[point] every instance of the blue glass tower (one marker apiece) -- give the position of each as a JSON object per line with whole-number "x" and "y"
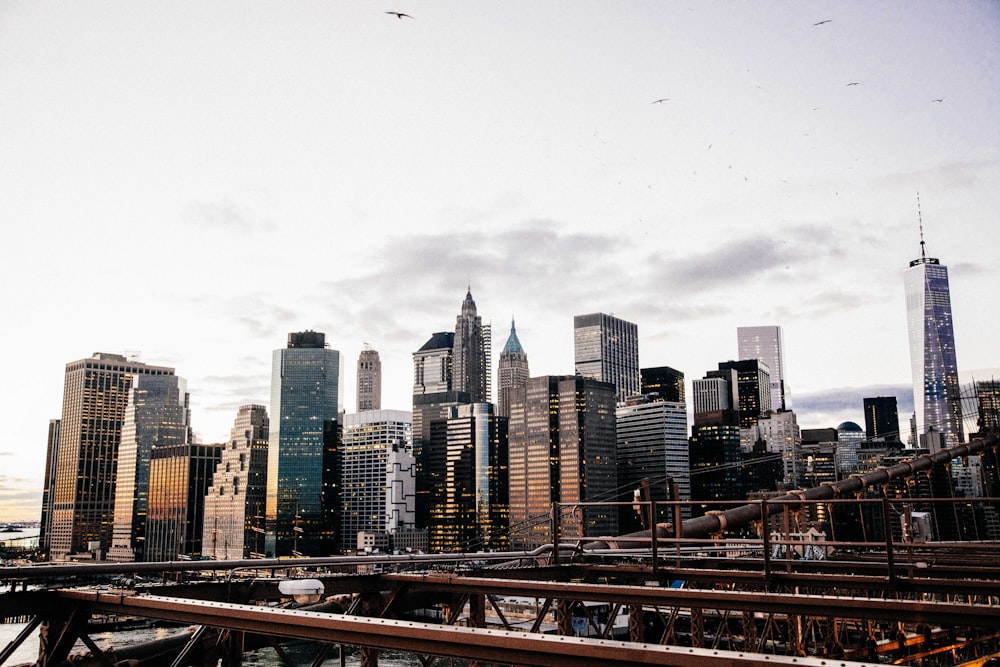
{"x": 302, "y": 486}
{"x": 932, "y": 351}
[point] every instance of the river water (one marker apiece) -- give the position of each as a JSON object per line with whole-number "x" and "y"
{"x": 302, "y": 653}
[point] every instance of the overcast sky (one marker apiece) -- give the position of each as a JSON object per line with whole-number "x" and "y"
{"x": 193, "y": 180}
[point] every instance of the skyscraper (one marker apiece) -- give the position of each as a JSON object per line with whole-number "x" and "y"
{"x": 512, "y": 371}
{"x": 469, "y": 510}
{"x": 179, "y": 477}
{"x": 753, "y": 389}
{"x": 881, "y": 418}
{"x": 606, "y": 348}
{"x": 936, "y": 397}
{"x": 652, "y": 443}
{"x": 369, "y": 380}
{"x": 95, "y": 394}
{"x": 562, "y": 449}
{"x": 157, "y": 415}
{"x": 766, "y": 343}
{"x": 304, "y": 432}
{"x": 48, "y": 485}
{"x": 378, "y": 474}
{"x": 234, "y": 503}
{"x": 663, "y": 383}
{"x": 473, "y": 349}
{"x": 433, "y": 398}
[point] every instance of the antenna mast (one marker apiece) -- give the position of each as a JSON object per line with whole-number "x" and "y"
{"x": 923, "y": 255}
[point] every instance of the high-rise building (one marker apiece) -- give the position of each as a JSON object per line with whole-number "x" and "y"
{"x": 378, "y": 475}
{"x": 473, "y": 348}
{"x": 753, "y": 389}
{"x": 512, "y": 371}
{"x": 988, "y": 405}
{"x": 469, "y": 510}
{"x": 369, "y": 380}
{"x": 301, "y": 504}
{"x": 433, "y": 398}
{"x": 652, "y": 444}
{"x": 881, "y": 418}
{"x": 606, "y": 348}
{"x": 158, "y": 415}
{"x": 718, "y": 391}
{"x": 766, "y": 344}
{"x": 48, "y": 485}
{"x": 95, "y": 394}
{"x": 715, "y": 456}
{"x": 662, "y": 383}
{"x": 234, "y": 503}
{"x": 936, "y": 396}
{"x": 562, "y": 449}
{"x": 780, "y": 433}
{"x": 179, "y": 477}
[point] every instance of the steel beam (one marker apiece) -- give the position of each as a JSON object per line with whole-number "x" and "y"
{"x": 499, "y": 646}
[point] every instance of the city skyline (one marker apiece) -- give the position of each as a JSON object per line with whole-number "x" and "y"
{"x": 193, "y": 186}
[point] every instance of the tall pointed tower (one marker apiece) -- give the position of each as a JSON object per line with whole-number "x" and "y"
{"x": 932, "y": 350}
{"x": 473, "y": 348}
{"x": 512, "y": 371}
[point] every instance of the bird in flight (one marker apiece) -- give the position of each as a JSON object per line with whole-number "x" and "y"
{"x": 661, "y": 100}
{"x": 939, "y": 100}
{"x": 400, "y": 15}
{"x": 854, "y": 83}
{"x": 823, "y": 21}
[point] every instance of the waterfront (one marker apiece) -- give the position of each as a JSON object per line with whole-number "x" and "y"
{"x": 302, "y": 653}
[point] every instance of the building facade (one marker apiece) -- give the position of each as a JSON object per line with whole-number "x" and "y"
{"x": 179, "y": 477}
{"x": 158, "y": 415}
{"x": 606, "y": 348}
{"x": 235, "y": 501}
{"x": 562, "y": 450}
{"x": 378, "y": 475}
{"x": 301, "y": 502}
{"x": 512, "y": 371}
{"x": 369, "y": 380}
{"x": 652, "y": 448}
{"x": 767, "y": 344}
{"x": 95, "y": 394}
{"x": 473, "y": 349}
{"x": 881, "y": 418}
{"x": 936, "y": 396}
{"x": 470, "y": 508}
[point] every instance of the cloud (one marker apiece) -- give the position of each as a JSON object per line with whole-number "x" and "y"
{"x": 830, "y": 407}
{"x": 224, "y": 216}
{"x": 731, "y": 263}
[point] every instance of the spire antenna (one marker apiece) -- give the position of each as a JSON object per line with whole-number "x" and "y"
{"x": 920, "y": 219}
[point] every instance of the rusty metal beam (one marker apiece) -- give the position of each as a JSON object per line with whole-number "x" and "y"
{"x": 811, "y": 605}
{"x": 501, "y": 646}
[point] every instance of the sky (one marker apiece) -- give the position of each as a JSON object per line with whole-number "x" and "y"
{"x": 190, "y": 181}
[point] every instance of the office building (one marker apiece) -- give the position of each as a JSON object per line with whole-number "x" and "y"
{"x": 48, "y": 485}
{"x": 378, "y": 476}
{"x": 469, "y": 508}
{"x": 512, "y": 371}
{"x": 766, "y": 344}
{"x": 715, "y": 456}
{"x": 158, "y": 415}
{"x": 780, "y": 433}
{"x": 473, "y": 349}
{"x": 369, "y": 380}
{"x": 606, "y": 348}
{"x": 933, "y": 361}
{"x": 433, "y": 399}
{"x": 301, "y": 503}
{"x": 652, "y": 449}
{"x": 716, "y": 392}
{"x": 562, "y": 449}
{"x": 95, "y": 394}
{"x": 234, "y": 503}
{"x": 179, "y": 477}
{"x": 753, "y": 391}
{"x": 662, "y": 383}
{"x": 881, "y": 418}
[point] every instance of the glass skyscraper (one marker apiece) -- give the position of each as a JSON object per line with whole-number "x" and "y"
{"x": 766, "y": 343}
{"x": 473, "y": 349}
{"x": 302, "y": 483}
{"x": 606, "y": 348}
{"x": 936, "y": 397}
